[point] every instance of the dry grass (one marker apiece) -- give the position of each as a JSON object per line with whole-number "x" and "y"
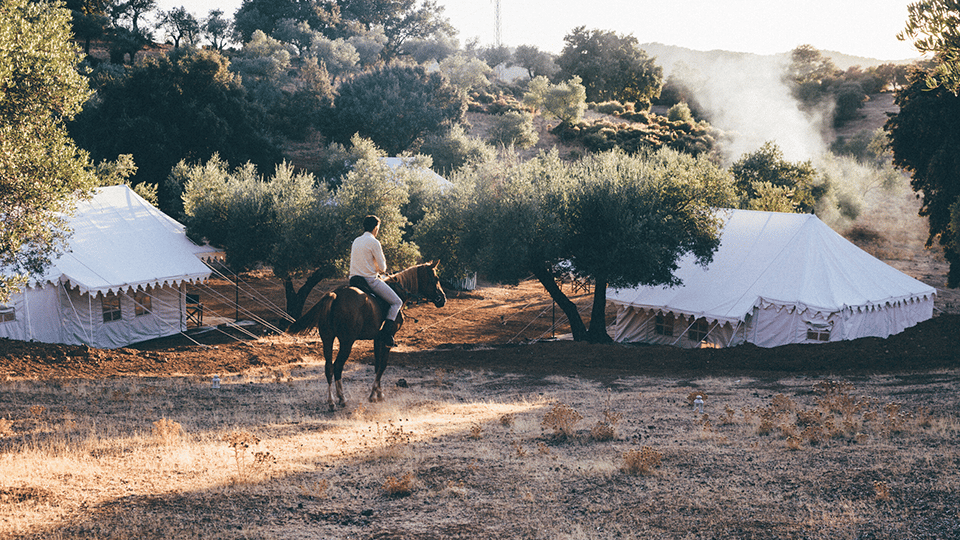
{"x": 482, "y": 455}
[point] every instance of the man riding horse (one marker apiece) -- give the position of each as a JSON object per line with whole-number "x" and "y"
{"x": 350, "y": 313}
{"x": 368, "y": 262}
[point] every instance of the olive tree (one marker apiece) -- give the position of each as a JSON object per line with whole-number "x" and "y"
{"x": 183, "y": 106}
{"x": 924, "y": 137}
{"x": 42, "y": 172}
{"x": 395, "y": 106}
{"x": 566, "y": 101}
{"x": 767, "y": 181}
{"x": 611, "y": 66}
{"x": 932, "y": 26}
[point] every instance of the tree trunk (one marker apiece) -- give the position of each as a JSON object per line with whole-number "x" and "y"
{"x": 296, "y": 298}
{"x": 569, "y": 308}
{"x": 598, "y": 318}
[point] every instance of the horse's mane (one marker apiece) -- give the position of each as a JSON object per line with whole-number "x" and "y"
{"x": 407, "y": 279}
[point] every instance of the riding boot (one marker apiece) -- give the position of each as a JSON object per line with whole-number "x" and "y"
{"x": 387, "y": 332}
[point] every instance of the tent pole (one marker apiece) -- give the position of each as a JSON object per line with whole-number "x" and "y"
{"x": 684, "y": 332}
{"x": 734, "y": 335}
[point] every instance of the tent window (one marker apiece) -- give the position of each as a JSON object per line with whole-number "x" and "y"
{"x": 698, "y": 332}
{"x": 664, "y": 325}
{"x": 142, "y": 304}
{"x": 7, "y": 314}
{"x": 111, "y": 307}
{"x": 818, "y": 332}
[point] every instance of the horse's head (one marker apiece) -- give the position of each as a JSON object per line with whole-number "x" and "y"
{"x": 428, "y": 284}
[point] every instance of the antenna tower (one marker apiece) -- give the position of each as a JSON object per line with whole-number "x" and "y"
{"x": 496, "y": 19}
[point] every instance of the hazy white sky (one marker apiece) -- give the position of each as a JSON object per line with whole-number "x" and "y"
{"x": 858, "y": 27}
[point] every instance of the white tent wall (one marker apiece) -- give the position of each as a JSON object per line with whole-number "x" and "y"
{"x": 83, "y": 319}
{"x": 31, "y": 309}
{"x": 640, "y": 325}
{"x": 772, "y": 324}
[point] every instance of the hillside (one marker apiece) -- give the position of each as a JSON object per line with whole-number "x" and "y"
{"x": 668, "y": 56}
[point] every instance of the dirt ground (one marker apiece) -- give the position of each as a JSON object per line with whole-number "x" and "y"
{"x": 496, "y": 328}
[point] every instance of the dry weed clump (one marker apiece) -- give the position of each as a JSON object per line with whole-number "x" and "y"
{"x": 881, "y": 490}
{"x": 316, "y": 491}
{"x": 727, "y": 419}
{"x": 167, "y": 432}
{"x": 642, "y": 461}
{"x": 562, "y": 421}
{"x": 400, "y": 487}
{"x": 837, "y": 416}
{"x": 388, "y": 441}
{"x": 240, "y": 442}
{"x": 606, "y": 429}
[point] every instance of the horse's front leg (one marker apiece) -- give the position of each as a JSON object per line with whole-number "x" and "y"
{"x": 330, "y": 404}
{"x": 380, "y": 352}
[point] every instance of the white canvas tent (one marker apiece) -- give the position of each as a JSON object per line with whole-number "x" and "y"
{"x": 122, "y": 280}
{"x": 777, "y": 278}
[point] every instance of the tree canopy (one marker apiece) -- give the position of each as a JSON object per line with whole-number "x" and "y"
{"x": 536, "y": 62}
{"x": 401, "y": 20}
{"x": 42, "y": 172}
{"x": 933, "y": 27}
{"x": 610, "y": 66}
{"x": 396, "y": 105}
{"x": 924, "y": 137}
{"x": 767, "y": 181}
{"x": 266, "y": 15}
{"x": 183, "y": 106}
{"x": 613, "y": 218}
{"x": 566, "y": 101}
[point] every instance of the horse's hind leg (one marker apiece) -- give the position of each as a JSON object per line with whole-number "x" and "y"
{"x": 380, "y": 352}
{"x": 328, "y": 370}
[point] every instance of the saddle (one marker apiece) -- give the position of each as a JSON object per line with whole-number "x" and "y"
{"x": 360, "y": 283}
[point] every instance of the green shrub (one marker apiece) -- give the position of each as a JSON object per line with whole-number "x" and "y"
{"x": 453, "y": 149}
{"x": 513, "y": 128}
{"x": 680, "y": 113}
{"x": 610, "y": 107}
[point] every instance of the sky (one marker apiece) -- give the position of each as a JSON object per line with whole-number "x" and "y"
{"x": 857, "y": 27}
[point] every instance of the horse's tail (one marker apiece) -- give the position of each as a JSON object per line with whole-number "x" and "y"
{"x": 312, "y": 319}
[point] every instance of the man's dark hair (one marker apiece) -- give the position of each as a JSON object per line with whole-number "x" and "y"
{"x": 370, "y": 223}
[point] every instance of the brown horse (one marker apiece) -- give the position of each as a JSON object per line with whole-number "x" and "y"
{"x": 349, "y": 315}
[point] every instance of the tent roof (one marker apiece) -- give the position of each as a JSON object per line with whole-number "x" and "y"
{"x": 397, "y": 162}
{"x": 121, "y": 242}
{"x": 781, "y": 259}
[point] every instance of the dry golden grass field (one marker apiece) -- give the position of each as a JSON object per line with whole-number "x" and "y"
{"x": 484, "y": 434}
